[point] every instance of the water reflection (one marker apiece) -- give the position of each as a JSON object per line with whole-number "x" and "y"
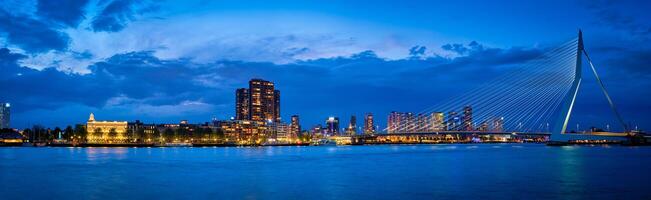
{"x": 349, "y": 172}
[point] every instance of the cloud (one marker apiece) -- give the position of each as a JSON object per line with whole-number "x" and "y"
{"x": 140, "y": 85}
{"x": 616, "y": 15}
{"x": 117, "y": 13}
{"x": 8, "y": 63}
{"x": 630, "y": 63}
{"x": 30, "y": 34}
{"x": 461, "y": 49}
{"x": 417, "y": 51}
{"x": 66, "y": 12}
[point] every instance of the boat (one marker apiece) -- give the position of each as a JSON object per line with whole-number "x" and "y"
{"x": 324, "y": 142}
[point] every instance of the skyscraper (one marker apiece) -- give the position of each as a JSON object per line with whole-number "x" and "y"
{"x": 420, "y": 123}
{"x": 276, "y": 114}
{"x": 242, "y": 104}
{"x": 352, "y": 126}
{"x": 400, "y": 122}
{"x": 5, "y": 115}
{"x": 295, "y": 126}
{"x": 261, "y": 102}
{"x": 467, "y": 118}
{"x": 410, "y": 122}
{"x": 369, "y": 128}
{"x": 452, "y": 121}
{"x": 437, "y": 121}
{"x": 332, "y": 126}
{"x": 497, "y": 124}
{"x": 393, "y": 123}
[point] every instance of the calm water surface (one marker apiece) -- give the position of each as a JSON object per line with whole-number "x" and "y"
{"x": 485, "y": 171}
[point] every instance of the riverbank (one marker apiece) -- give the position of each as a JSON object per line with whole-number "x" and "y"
{"x": 150, "y": 145}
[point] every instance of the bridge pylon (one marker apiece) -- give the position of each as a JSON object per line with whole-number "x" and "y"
{"x": 558, "y": 131}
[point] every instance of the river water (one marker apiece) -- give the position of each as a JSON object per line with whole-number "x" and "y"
{"x": 462, "y": 171}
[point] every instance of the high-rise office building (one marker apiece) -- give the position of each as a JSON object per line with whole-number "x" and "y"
{"x": 497, "y": 124}
{"x": 352, "y": 126}
{"x": 421, "y": 123}
{"x": 393, "y": 122}
{"x": 467, "y": 118}
{"x": 263, "y": 100}
{"x": 452, "y": 123}
{"x": 276, "y": 115}
{"x": 260, "y": 102}
{"x": 483, "y": 126}
{"x": 410, "y": 122}
{"x": 437, "y": 121}
{"x": 295, "y": 126}
{"x": 400, "y": 122}
{"x": 242, "y": 104}
{"x": 5, "y": 115}
{"x": 369, "y": 127}
{"x": 332, "y": 126}
{"x": 317, "y": 130}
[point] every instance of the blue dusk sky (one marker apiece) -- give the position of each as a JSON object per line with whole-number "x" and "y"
{"x": 164, "y": 61}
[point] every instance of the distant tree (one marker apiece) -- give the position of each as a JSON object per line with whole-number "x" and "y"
{"x": 169, "y": 134}
{"x": 182, "y": 133}
{"x": 196, "y": 133}
{"x": 140, "y": 135}
{"x": 113, "y": 134}
{"x": 68, "y": 132}
{"x": 156, "y": 135}
{"x": 98, "y": 134}
{"x": 207, "y": 133}
{"x": 80, "y": 132}
{"x": 56, "y": 132}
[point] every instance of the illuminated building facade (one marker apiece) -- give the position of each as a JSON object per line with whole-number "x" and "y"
{"x": 400, "y": 122}
{"x": 242, "y": 104}
{"x": 105, "y": 131}
{"x": 369, "y": 127}
{"x": 437, "y": 121}
{"x": 244, "y": 131}
{"x": 497, "y": 124}
{"x": 352, "y": 126}
{"x": 260, "y": 102}
{"x": 263, "y": 101}
{"x": 467, "y": 118}
{"x": 295, "y": 126}
{"x": 281, "y": 132}
{"x": 393, "y": 122}
{"x": 5, "y": 115}
{"x": 317, "y": 130}
{"x": 276, "y": 106}
{"x": 420, "y": 124}
{"x": 143, "y": 132}
{"x": 453, "y": 121}
{"x": 483, "y": 126}
{"x": 332, "y": 126}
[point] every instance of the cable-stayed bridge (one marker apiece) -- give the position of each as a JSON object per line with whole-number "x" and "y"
{"x": 535, "y": 98}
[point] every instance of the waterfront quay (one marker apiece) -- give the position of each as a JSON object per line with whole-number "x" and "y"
{"x": 445, "y": 137}
{"x": 218, "y": 139}
{"x": 376, "y": 139}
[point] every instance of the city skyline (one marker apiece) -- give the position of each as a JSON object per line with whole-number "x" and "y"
{"x": 332, "y": 70}
{"x": 325, "y": 99}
